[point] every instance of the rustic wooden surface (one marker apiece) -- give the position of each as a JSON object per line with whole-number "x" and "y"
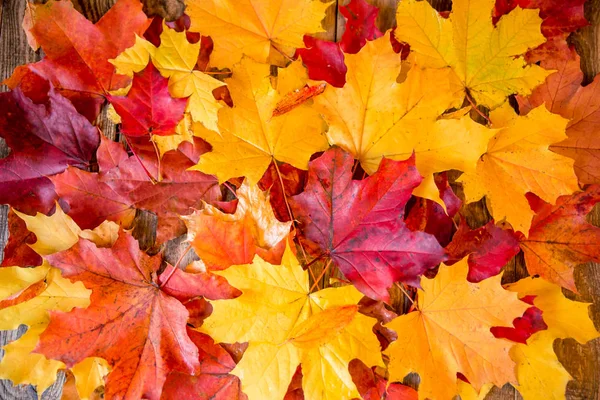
{"x": 581, "y": 361}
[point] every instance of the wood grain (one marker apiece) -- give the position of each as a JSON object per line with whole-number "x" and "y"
{"x": 581, "y": 361}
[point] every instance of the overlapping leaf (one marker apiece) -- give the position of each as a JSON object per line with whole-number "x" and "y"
{"x": 359, "y": 225}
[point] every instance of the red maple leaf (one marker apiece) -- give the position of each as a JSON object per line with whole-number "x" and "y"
{"x": 44, "y": 139}
{"x": 212, "y": 381}
{"x": 77, "y": 51}
{"x": 135, "y": 319}
{"x": 360, "y": 25}
{"x": 115, "y": 193}
{"x": 489, "y": 249}
{"x": 359, "y": 224}
{"x": 560, "y": 238}
{"x": 148, "y": 108}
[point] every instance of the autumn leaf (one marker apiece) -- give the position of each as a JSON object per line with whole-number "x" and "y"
{"x": 251, "y": 138}
{"x": 324, "y": 61}
{"x": 126, "y": 187}
{"x": 483, "y": 58}
{"x": 89, "y": 375}
{"x": 518, "y": 161}
{"x": 148, "y": 108}
{"x": 222, "y": 240}
{"x": 430, "y": 217}
{"x": 213, "y": 381}
{"x": 560, "y": 238}
{"x": 538, "y": 369}
{"x": 558, "y": 18}
{"x": 44, "y": 139}
{"x": 293, "y": 179}
{"x": 176, "y": 59}
{"x": 563, "y": 94}
{"x": 365, "y": 123}
{"x": 268, "y": 29}
{"x": 358, "y": 224}
{"x": 50, "y": 292}
{"x": 488, "y": 248}
{"x": 360, "y": 25}
{"x": 321, "y": 331}
{"x": 77, "y": 51}
{"x": 128, "y": 306}
{"x": 17, "y": 251}
{"x": 455, "y": 314}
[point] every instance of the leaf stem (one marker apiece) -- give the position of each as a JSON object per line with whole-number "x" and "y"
{"x": 176, "y": 266}
{"x": 316, "y": 282}
{"x": 401, "y": 287}
{"x": 477, "y": 109}
{"x": 159, "y": 170}
{"x": 139, "y": 160}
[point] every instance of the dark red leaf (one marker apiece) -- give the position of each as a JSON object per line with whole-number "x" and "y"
{"x": 44, "y": 140}
{"x": 525, "y": 326}
{"x": 489, "y": 249}
{"x": 359, "y": 224}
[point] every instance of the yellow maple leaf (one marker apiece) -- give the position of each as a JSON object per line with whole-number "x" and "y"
{"x": 322, "y": 331}
{"x": 89, "y": 374}
{"x": 450, "y": 333}
{"x": 19, "y": 364}
{"x": 176, "y": 59}
{"x": 259, "y": 29}
{"x": 518, "y": 161}
{"x": 374, "y": 116}
{"x": 58, "y": 232}
{"x": 538, "y": 370}
{"x": 250, "y": 138}
{"x": 483, "y": 57}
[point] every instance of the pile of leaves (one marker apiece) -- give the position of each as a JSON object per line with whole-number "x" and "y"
{"x": 311, "y": 179}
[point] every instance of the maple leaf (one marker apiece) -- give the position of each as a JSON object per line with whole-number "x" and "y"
{"x": 455, "y": 314}
{"x": 148, "y": 109}
{"x": 360, "y": 25}
{"x": 518, "y": 161}
{"x": 89, "y": 375}
{"x": 251, "y": 138}
{"x": 293, "y": 180}
{"x": 563, "y": 94}
{"x": 176, "y": 59}
{"x": 538, "y": 369}
{"x": 560, "y": 237}
{"x": 77, "y": 51}
{"x": 324, "y": 61}
{"x": 213, "y": 381}
{"x": 268, "y": 29}
{"x": 372, "y": 386}
{"x": 44, "y": 140}
{"x": 365, "y": 123}
{"x": 321, "y": 331}
{"x": 483, "y": 57}
{"x": 430, "y": 217}
{"x": 359, "y": 224}
{"x": 559, "y": 17}
{"x": 17, "y": 251}
{"x": 138, "y": 315}
{"x": 27, "y": 295}
{"x": 489, "y": 249}
{"x": 222, "y": 240}
{"x": 125, "y": 187}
